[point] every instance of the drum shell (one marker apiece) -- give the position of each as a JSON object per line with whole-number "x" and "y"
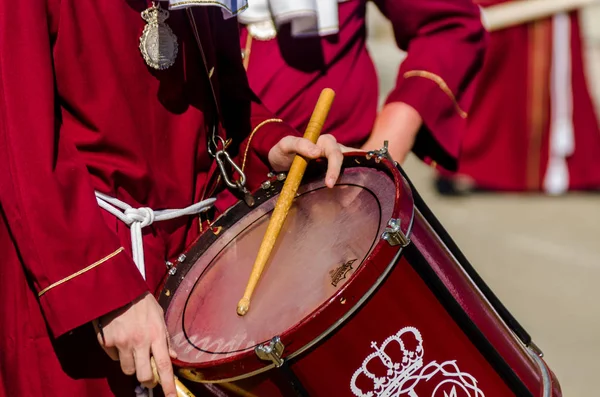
{"x": 327, "y": 368}
{"x": 428, "y": 289}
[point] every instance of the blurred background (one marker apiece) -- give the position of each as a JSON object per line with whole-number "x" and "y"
{"x": 539, "y": 253}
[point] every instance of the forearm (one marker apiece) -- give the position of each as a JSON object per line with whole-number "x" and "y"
{"x": 398, "y": 123}
{"x": 445, "y": 43}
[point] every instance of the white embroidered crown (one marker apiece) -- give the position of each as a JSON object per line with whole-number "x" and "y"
{"x": 400, "y": 365}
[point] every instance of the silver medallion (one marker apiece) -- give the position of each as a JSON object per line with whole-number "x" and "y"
{"x": 158, "y": 43}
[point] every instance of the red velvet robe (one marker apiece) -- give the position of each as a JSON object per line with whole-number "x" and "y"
{"x": 507, "y": 145}
{"x": 80, "y": 111}
{"x": 445, "y": 41}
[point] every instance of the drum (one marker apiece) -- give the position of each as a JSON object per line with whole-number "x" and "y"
{"x": 365, "y": 294}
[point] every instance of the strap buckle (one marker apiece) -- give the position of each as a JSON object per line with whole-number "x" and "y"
{"x": 223, "y": 161}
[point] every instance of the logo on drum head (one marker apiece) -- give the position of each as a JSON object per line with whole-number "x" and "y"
{"x": 338, "y": 274}
{"x": 397, "y": 368}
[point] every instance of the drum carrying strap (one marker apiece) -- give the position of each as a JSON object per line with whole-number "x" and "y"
{"x": 294, "y": 383}
{"x": 216, "y": 144}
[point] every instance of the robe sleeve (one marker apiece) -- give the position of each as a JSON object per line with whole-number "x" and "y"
{"x": 246, "y": 120}
{"x": 75, "y": 262}
{"x": 445, "y": 43}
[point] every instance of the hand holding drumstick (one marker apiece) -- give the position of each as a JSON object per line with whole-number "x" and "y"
{"x": 286, "y": 198}
{"x": 182, "y": 391}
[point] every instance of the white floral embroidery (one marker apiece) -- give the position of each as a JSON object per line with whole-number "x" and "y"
{"x": 403, "y": 378}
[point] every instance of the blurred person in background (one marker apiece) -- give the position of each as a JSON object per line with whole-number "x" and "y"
{"x": 294, "y": 49}
{"x": 532, "y": 126}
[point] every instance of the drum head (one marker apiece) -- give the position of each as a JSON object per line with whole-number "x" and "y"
{"x": 327, "y": 236}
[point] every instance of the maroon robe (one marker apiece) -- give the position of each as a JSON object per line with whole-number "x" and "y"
{"x": 445, "y": 41}
{"x": 507, "y": 146}
{"x": 80, "y": 111}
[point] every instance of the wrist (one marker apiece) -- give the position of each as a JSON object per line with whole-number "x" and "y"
{"x": 107, "y": 317}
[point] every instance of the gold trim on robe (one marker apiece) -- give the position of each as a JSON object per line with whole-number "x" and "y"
{"x": 441, "y": 83}
{"x": 262, "y": 124}
{"x": 82, "y": 271}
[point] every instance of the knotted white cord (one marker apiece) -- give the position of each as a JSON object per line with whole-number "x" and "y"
{"x": 138, "y": 218}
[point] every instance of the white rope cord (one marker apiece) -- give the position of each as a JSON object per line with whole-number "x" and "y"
{"x": 138, "y": 218}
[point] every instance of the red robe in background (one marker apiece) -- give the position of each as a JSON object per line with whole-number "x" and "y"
{"x": 533, "y": 126}
{"x": 80, "y": 111}
{"x": 445, "y": 41}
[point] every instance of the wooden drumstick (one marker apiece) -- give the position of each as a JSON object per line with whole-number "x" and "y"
{"x": 182, "y": 391}
{"x": 286, "y": 198}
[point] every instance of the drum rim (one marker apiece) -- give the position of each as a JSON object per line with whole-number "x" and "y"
{"x": 546, "y": 376}
{"x": 236, "y": 212}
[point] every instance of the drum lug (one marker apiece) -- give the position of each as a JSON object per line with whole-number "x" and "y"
{"x": 171, "y": 268}
{"x": 535, "y": 349}
{"x": 393, "y": 234}
{"x": 380, "y": 154}
{"x": 271, "y": 351}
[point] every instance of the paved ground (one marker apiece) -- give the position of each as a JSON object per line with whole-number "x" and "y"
{"x": 541, "y": 255}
